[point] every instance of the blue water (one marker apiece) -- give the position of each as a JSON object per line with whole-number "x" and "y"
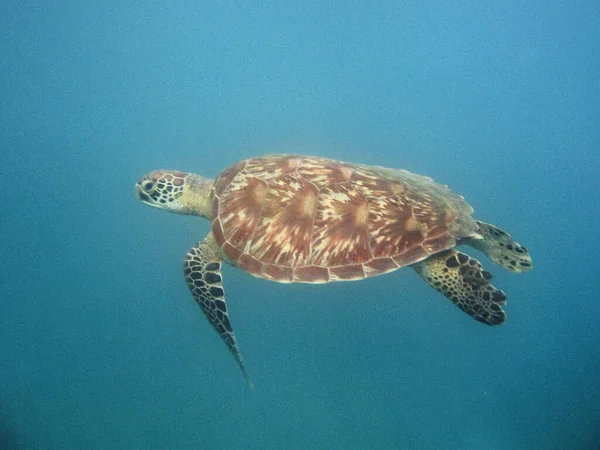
{"x": 102, "y": 345}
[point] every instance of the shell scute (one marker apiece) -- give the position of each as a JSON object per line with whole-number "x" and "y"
{"x": 284, "y": 232}
{"x": 322, "y": 171}
{"x": 270, "y": 167}
{"x": 341, "y": 230}
{"x": 348, "y": 272}
{"x": 240, "y": 211}
{"x": 311, "y": 274}
{"x": 281, "y": 274}
{"x": 380, "y": 265}
{"x": 250, "y": 264}
{"x": 438, "y": 243}
{"x": 225, "y": 178}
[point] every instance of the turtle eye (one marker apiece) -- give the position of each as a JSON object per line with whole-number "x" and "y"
{"x": 148, "y": 185}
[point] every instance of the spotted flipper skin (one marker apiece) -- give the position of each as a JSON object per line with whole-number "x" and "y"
{"x": 202, "y": 270}
{"x": 500, "y": 247}
{"x": 461, "y": 278}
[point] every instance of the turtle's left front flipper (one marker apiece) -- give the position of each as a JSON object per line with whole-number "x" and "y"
{"x": 202, "y": 270}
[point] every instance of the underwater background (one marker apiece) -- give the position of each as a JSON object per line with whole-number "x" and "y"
{"x": 101, "y": 344}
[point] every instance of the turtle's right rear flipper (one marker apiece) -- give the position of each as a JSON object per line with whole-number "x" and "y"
{"x": 500, "y": 247}
{"x": 461, "y": 279}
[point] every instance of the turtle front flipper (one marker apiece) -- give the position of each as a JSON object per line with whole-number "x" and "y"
{"x": 202, "y": 270}
{"x": 461, "y": 278}
{"x": 499, "y": 246}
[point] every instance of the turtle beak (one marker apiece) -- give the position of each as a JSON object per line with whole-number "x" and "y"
{"x": 141, "y": 194}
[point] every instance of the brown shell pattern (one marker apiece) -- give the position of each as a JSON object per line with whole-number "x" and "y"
{"x": 292, "y": 218}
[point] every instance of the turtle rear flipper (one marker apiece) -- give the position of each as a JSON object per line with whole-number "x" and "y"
{"x": 461, "y": 279}
{"x": 202, "y": 270}
{"x": 500, "y": 247}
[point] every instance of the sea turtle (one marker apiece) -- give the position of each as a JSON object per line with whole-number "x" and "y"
{"x": 305, "y": 219}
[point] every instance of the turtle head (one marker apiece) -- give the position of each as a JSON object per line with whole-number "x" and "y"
{"x": 174, "y": 191}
